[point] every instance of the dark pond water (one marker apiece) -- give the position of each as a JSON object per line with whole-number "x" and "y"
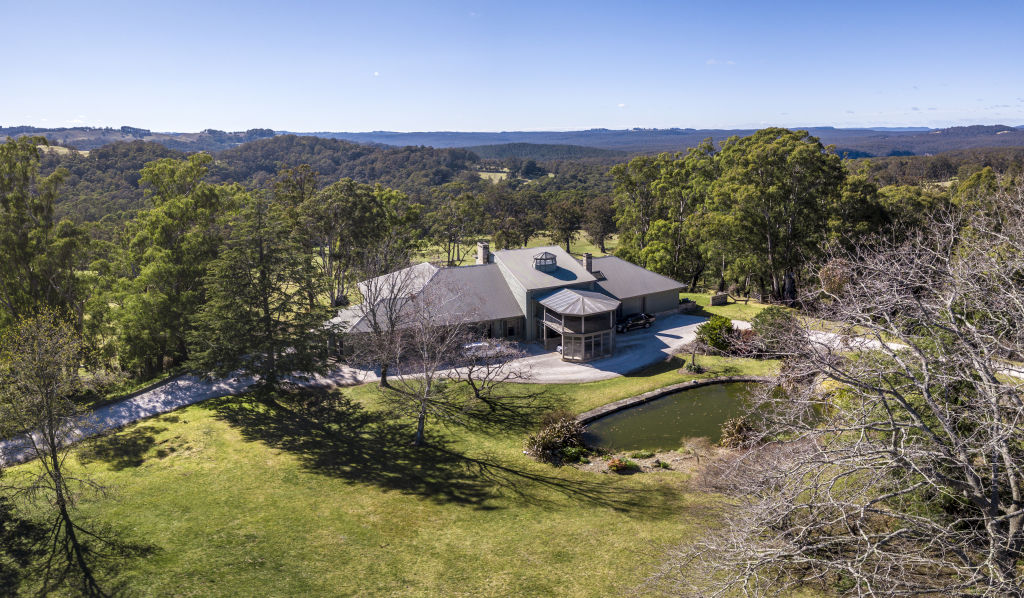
{"x": 663, "y": 423}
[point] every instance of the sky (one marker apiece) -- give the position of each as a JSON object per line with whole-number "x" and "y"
{"x": 502, "y": 66}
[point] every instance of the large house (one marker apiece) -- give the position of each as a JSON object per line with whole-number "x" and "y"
{"x": 543, "y": 294}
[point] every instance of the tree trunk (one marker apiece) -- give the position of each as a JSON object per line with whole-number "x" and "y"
{"x": 420, "y": 424}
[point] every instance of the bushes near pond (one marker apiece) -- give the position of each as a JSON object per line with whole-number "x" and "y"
{"x": 559, "y": 440}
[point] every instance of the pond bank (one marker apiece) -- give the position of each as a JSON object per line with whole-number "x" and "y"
{"x": 615, "y": 406}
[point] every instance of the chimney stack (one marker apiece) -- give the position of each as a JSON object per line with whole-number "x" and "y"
{"x": 588, "y": 262}
{"x": 483, "y": 253}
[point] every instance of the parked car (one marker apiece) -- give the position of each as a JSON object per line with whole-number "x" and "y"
{"x": 634, "y": 321}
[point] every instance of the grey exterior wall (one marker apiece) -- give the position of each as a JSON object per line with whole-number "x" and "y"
{"x": 664, "y": 301}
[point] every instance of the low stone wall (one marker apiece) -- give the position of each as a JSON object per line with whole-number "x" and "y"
{"x": 608, "y": 409}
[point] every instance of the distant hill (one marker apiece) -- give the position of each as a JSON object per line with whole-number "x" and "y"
{"x": 542, "y": 151}
{"x": 88, "y": 138}
{"x": 105, "y": 181}
{"x": 856, "y": 143}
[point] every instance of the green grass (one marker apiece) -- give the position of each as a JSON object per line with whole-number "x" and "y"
{"x": 241, "y": 501}
{"x": 581, "y": 245}
{"x": 733, "y": 311}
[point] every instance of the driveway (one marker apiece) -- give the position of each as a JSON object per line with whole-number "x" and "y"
{"x": 634, "y": 351}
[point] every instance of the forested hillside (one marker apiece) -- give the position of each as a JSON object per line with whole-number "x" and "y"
{"x": 88, "y": 138}
{"x": 106, "y": 180}
{"x": 408, "y": 168}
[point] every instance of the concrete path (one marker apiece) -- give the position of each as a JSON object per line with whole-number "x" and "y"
{"x": 179, "y": 392}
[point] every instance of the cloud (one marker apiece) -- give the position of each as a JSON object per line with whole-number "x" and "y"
{"x": 915, "y": 108}
{"x": 932, "y": 108}
{"x": 376, "y": 74}
{"x": 850, "y": 112}
{"x": 622, "y": 105}
{"x": 717, "y": 61}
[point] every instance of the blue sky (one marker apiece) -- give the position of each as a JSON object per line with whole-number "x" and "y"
{"x": 481, "y": 66}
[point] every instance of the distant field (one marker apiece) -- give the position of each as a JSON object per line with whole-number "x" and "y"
{"x": 580, "y": 246}
{"x": 63, "y": 151}
{"x": 493, "y": 177}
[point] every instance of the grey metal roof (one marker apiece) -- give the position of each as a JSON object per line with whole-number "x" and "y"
{"x": 479, "y": 292}
{"x": 574, "y": 302}
{"x": 625, "y": 280}
{"x": 519, "y": 264}
{"x": 466, "y": 294}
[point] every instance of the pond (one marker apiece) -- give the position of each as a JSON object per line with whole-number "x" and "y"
{"x": 663, "y": 423}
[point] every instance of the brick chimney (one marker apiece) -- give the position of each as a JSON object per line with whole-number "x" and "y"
{"x": 483, "y": 253}
{"x": 588, "y": 262}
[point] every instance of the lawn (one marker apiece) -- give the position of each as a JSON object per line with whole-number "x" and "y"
{"x": 240, "y": 501}
{"x": 733, "y": 311}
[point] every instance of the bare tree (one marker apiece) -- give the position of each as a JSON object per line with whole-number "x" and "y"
{"x": 889, "y": 458}
{"x": 39, "y": 377}
{"x": 433, "y": 362}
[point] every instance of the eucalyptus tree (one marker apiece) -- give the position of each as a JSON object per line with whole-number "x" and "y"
{"x": 456, "y": 217}
{"x": 636, "y": 204}
{"x": 772, "y": 197}
{"x": 345, "y": 220}
{"x": 39, "y": 256}
{"x": 166, "y": 251}
{"x": 599, "y": 219}
{"x": 565, "y": 218}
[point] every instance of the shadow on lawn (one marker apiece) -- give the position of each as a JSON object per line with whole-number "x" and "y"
{"x": 121, "y": 449}
{"x": 335, "y": 436}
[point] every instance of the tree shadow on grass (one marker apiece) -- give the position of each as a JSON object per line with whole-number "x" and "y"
{"x": 121, "y": 449}
{"x": 334, "y": 436}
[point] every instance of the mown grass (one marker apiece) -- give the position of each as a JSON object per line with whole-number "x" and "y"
{"x": 239, "y": 500}
{"x": 733, "y": 310}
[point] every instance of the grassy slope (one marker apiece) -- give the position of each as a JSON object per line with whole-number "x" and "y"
{"x": 242, "y": 504}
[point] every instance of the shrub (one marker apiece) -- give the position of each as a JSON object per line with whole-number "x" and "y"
{"x": 551, "y": 442}
{"x": 716, "y": 333}
{"x": 642, "y": 454}
{"x": 772, "y": 325}
{"x": 736, "y": 432}
{"x": 575, "y": 454}
{"x": 662, "y": 464}
{"x": 620, "y": 465}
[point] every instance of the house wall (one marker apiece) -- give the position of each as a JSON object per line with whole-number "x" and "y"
{"x": 664, "y": 301}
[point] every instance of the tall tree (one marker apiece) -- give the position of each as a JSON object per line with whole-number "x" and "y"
{"x": 565, "y": 217}
{"x": 636, "y": 204}
{"x": 168, "y": 250}
{"x": 257, "y": 317}
{"x": 347, "y": 219}
{"x": 773, "y": 195}
{"x": 456, "y": 217}
{"x": 599, "y": 220}
{"x": 39, "y": 257}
